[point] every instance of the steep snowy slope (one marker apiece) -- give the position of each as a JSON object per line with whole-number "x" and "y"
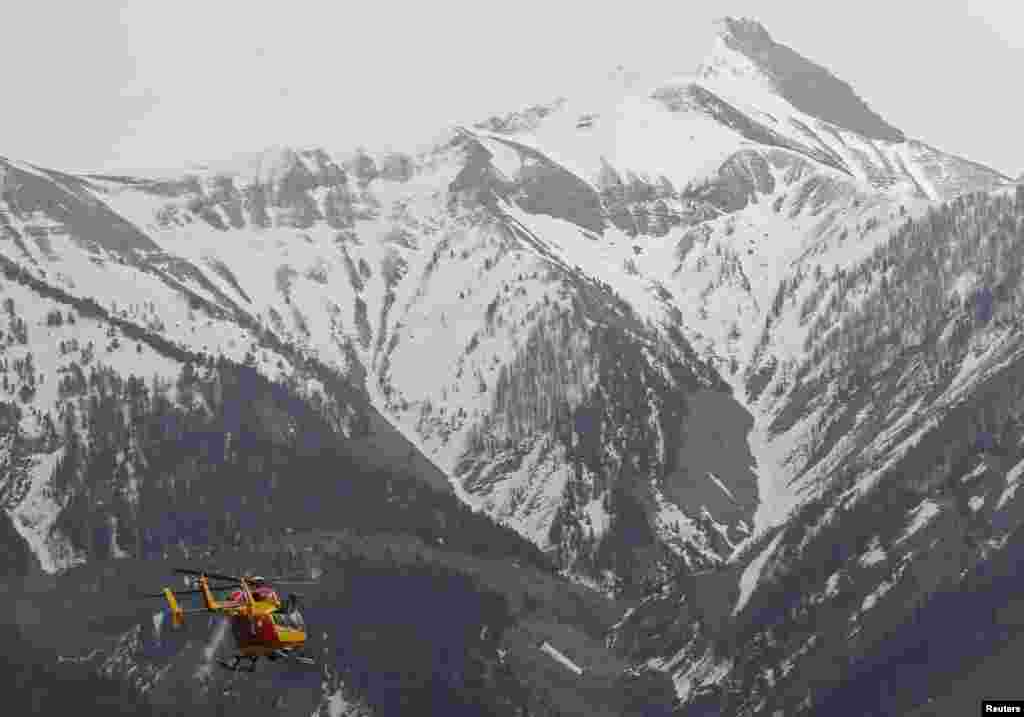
{"x": 359, "y": 274}
{"x": 782, "y": 171}
{"x": 777, "y": 182}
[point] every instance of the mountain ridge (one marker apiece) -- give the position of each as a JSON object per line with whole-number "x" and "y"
{"x": 509, "y": 169}
{"x": 805, "y": 84}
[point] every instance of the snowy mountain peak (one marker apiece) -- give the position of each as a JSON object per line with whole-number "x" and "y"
{"x": 745, "y": 60}
{"x": 744, "y": 30}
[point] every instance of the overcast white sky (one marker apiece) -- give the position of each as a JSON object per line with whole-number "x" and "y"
{"x": 98, "y": 85}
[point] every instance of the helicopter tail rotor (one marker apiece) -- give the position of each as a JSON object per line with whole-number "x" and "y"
{"x": 177, "y": 615}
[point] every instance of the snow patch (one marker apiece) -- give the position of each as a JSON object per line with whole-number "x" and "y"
{"x": 832, "y": 584}
{"x": 871, "y": 600}
{"x": 752, "y": 574}
{"x": 337, "y": 706}
{"x": 1012, "y": 484}
{"x": 673, "y": 526}
{"x": 874, "y": 555}
{"x": 978, "y": 471}
{"x": 703, "y": 672}
{"x": 721, "y": 485}
{"x": 923, "y": 514}
{"x": 35, "y": 515}
{"x": 598, "y": 518}
{"x": 914, "y": 169}
{"x": 559, "y": 657}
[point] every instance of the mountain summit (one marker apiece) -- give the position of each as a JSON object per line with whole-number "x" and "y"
{"x": 744, "y": 50}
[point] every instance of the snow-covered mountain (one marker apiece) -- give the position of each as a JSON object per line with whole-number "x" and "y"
{"x": 485, "y": 296}
{"x": 640, "y": 326}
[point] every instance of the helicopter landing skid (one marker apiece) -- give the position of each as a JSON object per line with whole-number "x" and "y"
{"x": 233, "y": 666}
{"x": 291, "y": 657}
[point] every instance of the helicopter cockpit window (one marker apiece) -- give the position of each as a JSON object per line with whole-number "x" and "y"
{"x": 289, "y": 620}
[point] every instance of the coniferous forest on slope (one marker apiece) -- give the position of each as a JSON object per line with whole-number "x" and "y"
{"x": 237, "y": 463}
{"x": 247, "y": 433}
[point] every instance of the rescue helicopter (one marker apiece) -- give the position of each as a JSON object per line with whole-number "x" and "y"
{"x": 261, "y": 624}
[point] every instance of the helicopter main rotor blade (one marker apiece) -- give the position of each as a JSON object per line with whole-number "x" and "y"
{"x": 188, "y": 592}
{"x": 214, "y": 576}
{"x": 174, "y": 592}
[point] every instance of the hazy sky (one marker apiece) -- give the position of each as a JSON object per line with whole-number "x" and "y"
{"x": 94, "y": 85}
